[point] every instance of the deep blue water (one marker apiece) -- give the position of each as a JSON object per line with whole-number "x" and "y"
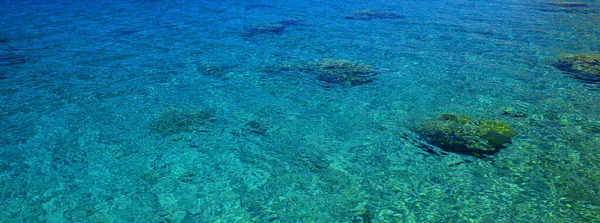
{"x": 214, "y": 111}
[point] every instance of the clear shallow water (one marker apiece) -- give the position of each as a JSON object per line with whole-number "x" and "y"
{"x": 79, "y": 116}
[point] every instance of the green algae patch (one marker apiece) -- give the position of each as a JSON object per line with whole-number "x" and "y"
{"x": 462, "y": 134}
{"x": 585, "y": 67}
{"x": 343, "y": 72}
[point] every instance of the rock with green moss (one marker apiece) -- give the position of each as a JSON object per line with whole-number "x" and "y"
{"x": 461, "y": 134}
{"x": 343, "y": 72}
{"x": 581, "y": 66}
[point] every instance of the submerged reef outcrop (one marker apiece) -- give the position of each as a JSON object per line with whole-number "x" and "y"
{"x": 291, "y": 22}
{"x": 178, "y": 120}
{"x": 461, "y": 134}
{"x": 10, "y": 58}
{"x": 4, "y": 39}
{"x": 371, "y": 14}
{"x": 273, "y": 28}
{"x": 343, "y": 72}
{"x": 569, "y": 7}
{"x": 568, "y": 4}
{"x": 258, "y": 6}
{"x": 585, "y": 67}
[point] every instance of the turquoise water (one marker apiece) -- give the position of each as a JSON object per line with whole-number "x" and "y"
{"x": 214, "y": 111}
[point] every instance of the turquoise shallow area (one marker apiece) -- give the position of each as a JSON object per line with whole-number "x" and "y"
{"x": 189, "y": 111}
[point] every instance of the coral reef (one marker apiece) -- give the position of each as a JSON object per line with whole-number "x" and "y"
{"x": 581, "y": 66}
{"x": 370, "y": 15}
{"x": 343, "y": 72}
{"x": 461, "y": 134}
{"x": 174, "y": 120}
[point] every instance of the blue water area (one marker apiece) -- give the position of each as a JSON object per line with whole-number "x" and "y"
{"x": 299, "y": 111}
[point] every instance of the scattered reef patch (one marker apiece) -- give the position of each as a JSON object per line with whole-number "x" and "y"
{"x": 126, "y": 32}
{"x": 255, "y": 127}
{"x": 464, "y": 135}
{"x": 585, "y": 67}
{"x": 343, "y": 72}
{"x": 10, "y": 58}
{"x": 569, "y": 7}
{"x": 260, "y": 29}
{"x": 258, "y": 6}
{"x": 291, "y": 22}
{"x": 371, "y": 14}
{"x": 179, "y": 120}
{"x": 213, "y": 69}
{"x": 513, "y": 113}
{"x": 4, "y": 39}
{"x": 272, "y": 28}
{"x": 568, "y": 4}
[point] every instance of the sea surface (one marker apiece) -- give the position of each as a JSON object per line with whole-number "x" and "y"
{"x": 224, "y": 111}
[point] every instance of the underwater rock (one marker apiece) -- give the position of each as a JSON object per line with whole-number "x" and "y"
{"x": 370, "y": 15}
{"x": 214, "y": 70}
{"x": 275, "y": 28}
{"x": 255, "y": 127}
{"x": 569, "y": 7}
{"x": 146, "y": 1}
{"x": 8, "y": 59}
{"x": 290, "y": 22}
{"x": 585, "y": 67}
{"x": 365, "y": 215}
{"x": 461, "y": 134}
{"x": 4, "y": 40}
{"x": 343, "y": 72}
{"x": 568, "y": 4}
{"x": 127, "y": 32}
{"x": 511, "y": 112}
{"x": 257, "y": 6}
{"x": 175, "y": 121}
